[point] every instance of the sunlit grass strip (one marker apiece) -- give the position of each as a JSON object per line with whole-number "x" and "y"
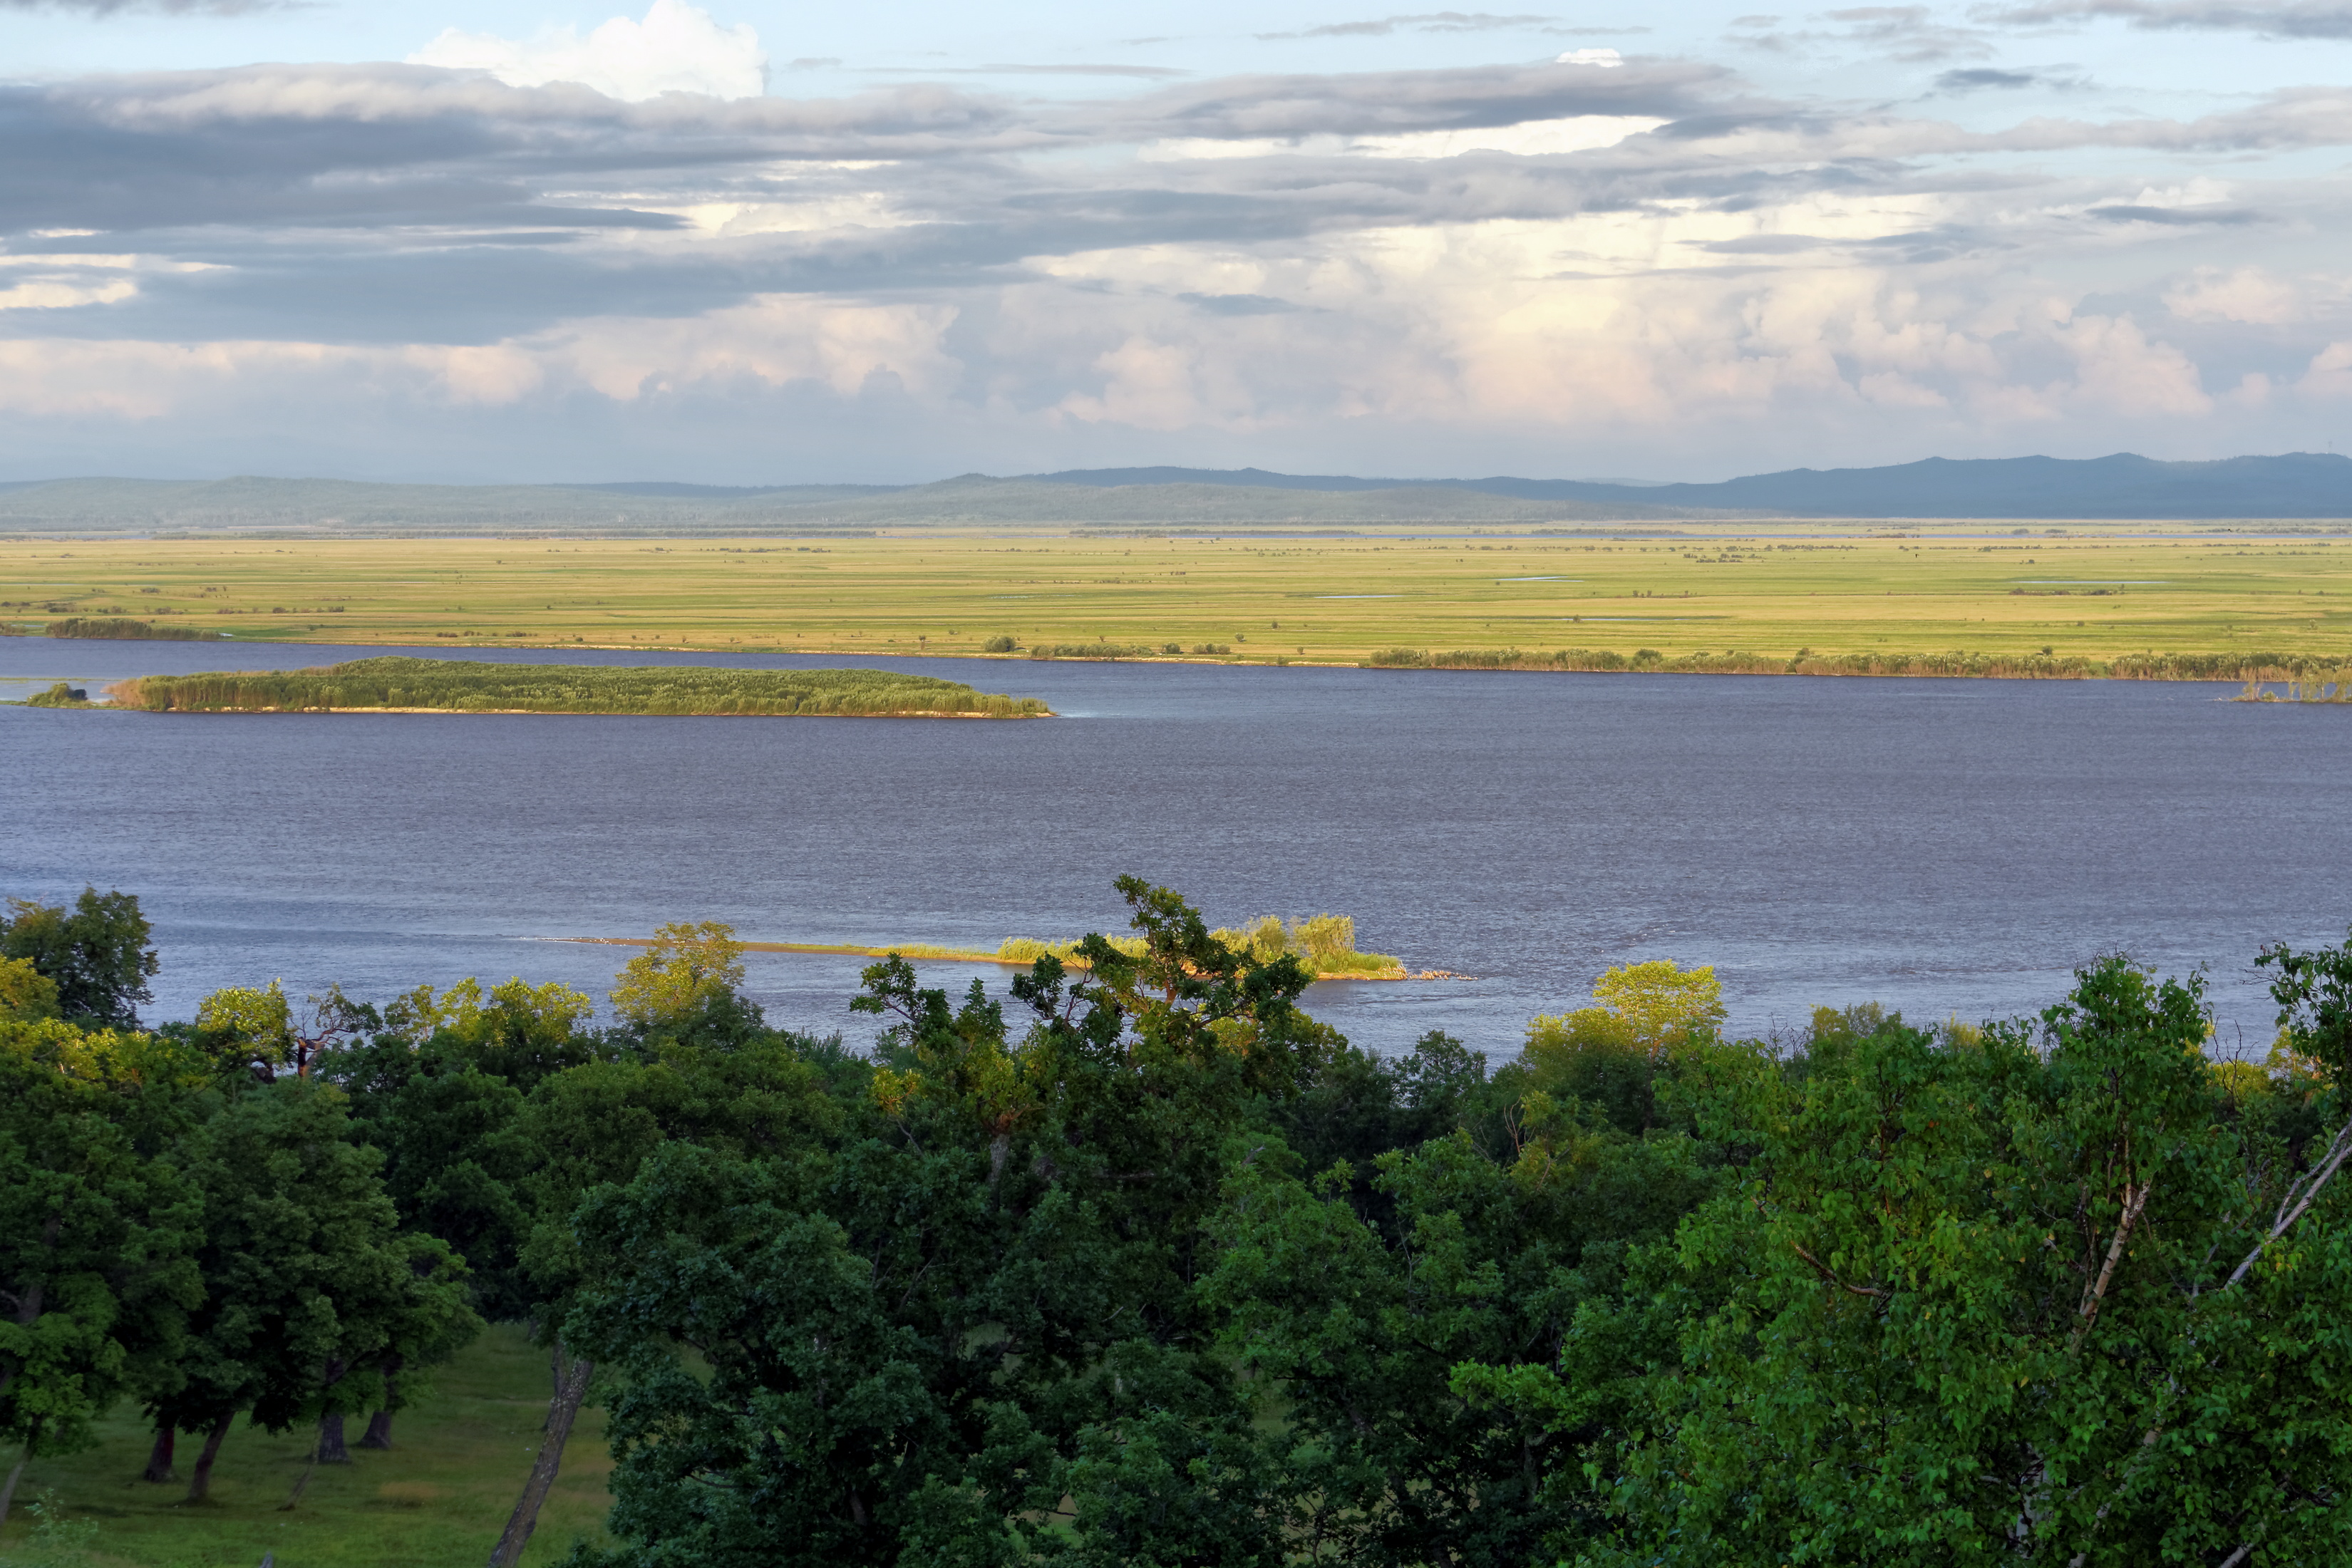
{"x": 462, "y": 686}
{"x": 1325, "y": 944}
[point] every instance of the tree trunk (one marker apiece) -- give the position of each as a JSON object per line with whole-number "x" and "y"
{"x": 8, "y": 1490}
{"x": 379, "y": 1428}
{"x": 332, "y": 1450}
{"x": 158, "y": 1458}
{"x": 302, "y": 1482}
{"x": 200, "y": 1480}
{"x": 570, "y": 1389}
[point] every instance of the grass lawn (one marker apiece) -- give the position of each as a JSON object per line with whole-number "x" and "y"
{"x": 2088, "y": 590}
{"x": 438, "y": 1497}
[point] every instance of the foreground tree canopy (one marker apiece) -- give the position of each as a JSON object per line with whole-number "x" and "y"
{"x": 1140, "y": 1264}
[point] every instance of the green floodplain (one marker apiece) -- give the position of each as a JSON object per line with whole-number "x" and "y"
{"x": 463, "y": 686}
{"x": 1140, "y": 1264}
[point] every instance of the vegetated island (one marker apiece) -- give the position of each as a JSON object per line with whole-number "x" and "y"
{"x": 393, "y": 685}
{"x": 2318, "y": 686}
{"x": 1326, "y": 944}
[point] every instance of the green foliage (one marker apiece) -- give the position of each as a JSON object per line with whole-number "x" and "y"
{"x": 307, "y": 1282}
{"x": 98, "y": 1229}
{"x": 466, "y": 686}
{"x": 1613, "y": 1057}
{"x": 1983, "y": 1300}
{"x": 61, "y": 696}
{"x": 1325, "y": 943}
{"x": 95, "y": 953}
{"x": 56, "y": 1540}
{"x": 959, "y": 1325}
{"x": 437, "y": 1085}
{"x": 686, "y": 971}
{"x": 247, "y": 1026}
{"x": 1000, "y": 643}
{"x": 26, "y": 992}
{"x": 1150, "y": 1268}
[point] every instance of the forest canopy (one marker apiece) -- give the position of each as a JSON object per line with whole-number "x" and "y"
{"x": 1139, "y": 1263}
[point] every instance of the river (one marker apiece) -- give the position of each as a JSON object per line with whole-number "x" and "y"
{"x": 1947, "y": 847}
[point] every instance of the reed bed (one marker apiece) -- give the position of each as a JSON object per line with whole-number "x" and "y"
{"x": 462, "y": 686}
{"x": 2310, "y": 685}
{"x": 116, "y": 628}
{"x": 1958, "y": 662}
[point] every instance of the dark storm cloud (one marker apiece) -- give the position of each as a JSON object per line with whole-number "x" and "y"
{"x": 2288, "y": 19}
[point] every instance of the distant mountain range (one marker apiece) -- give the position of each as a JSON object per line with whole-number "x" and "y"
{"x": 2298, "y": 485}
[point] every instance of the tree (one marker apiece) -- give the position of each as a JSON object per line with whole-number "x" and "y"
{"x": 2066, "y": 1294}
{"x": 1528, "y": 1261}
{"x": 690, "y": 974}
{"x": 965, "y": 1317}
{"x": 26, "y": 992}
{"x": 712, "y": 1076}
{"x": 97, "y": 1231}
{"x": 1614, "y": 1054}
{"x": 96, "y": 953}
{"x": 308, "y": 1284}
{"x": 437, "y": 1084}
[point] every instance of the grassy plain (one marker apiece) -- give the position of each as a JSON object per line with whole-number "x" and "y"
{"x": 2082, "y": 590}
{"x": 438, "y": 1497}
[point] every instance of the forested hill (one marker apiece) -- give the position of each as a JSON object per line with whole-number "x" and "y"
{"x": 2295, "y": 484}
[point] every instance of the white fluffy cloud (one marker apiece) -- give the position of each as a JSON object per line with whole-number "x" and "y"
{"x": 677, "y": 49}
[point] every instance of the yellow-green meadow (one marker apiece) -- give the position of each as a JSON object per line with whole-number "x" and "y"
{"x": 2073, "y": 591}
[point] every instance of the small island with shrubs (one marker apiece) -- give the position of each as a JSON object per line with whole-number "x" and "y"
{"x": 464, "y": 686}
{"x": 1324, "y": 945}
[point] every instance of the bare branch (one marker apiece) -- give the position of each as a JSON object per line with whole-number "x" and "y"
{"x": 2134, "y": 1202}
{"x": 2311, "y": 1187}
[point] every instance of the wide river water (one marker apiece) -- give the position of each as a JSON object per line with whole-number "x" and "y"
{"x": 1949, "y": 847}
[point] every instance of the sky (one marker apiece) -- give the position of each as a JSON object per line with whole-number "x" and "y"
{"x": 754, "y": 243}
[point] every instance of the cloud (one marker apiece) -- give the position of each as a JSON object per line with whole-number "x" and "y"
{"x": 2177, "y": 217}
{"x": 677, "y": 49}
{"x": 1643, "y": 257}
{"x": 168, "y": 8}
{"x": 2248, "y": 294}
{"x": 1424, "y": 22}
{"x": 1014, "y": 68}
{"x": 1978, "y": 79}
{"x": 1238, "y": 304}
{"x": 2286, "y": 19}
